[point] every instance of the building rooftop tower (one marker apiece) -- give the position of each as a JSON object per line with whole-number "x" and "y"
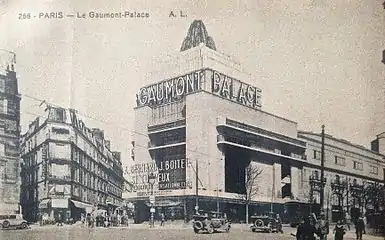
{"x": 196, "y": 35}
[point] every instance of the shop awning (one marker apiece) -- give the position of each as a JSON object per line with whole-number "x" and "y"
{"x": 59, "y": 203}
{"x": 164, "y": 203}
{"x": 44, "y": 203}
{"x": 82, "y": 205}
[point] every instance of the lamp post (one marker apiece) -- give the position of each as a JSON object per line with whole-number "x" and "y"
{"x": 196, "y": 188}
{"x": 316, "y": 185}
{"x": 338, "y": 188}
{"x": 151, "y": 181}
{"x": 356, "y": 191}
{"x": 322, "y": 166}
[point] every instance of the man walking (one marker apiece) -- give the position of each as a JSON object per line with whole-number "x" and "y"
{"x": 360, "y": 228}
{"x": 306, "y": 230}
{"x": 347, "y": 219}
{"x": 323, "y": 227}
{"x": 162, "y": 219}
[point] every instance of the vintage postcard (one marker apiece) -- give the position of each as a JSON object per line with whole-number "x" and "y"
{"x": 199, "y": 119}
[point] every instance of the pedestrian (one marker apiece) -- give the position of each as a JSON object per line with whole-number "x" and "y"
{"x": 162, "y": 219}
{"x": 348, "y": 219}
{"x": 360, "y": 228}
{"x": 88, "y": 220}
{"x": 339, "y": 231}
{"x": 323, "y": 227}
{"x": 279, "y": 223}
{"x": 306, "y": 230}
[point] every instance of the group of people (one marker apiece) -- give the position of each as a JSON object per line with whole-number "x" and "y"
{"x": 311, "y": 226}
{"x": 104, "y": 221}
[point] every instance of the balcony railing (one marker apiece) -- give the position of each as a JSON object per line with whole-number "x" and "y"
{"x": 166, "y": 119}
{"x": 256, "y": 146}
{"x": 265, "y": 132}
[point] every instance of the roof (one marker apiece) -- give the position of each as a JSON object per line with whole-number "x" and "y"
{"x": 340, "y": 140}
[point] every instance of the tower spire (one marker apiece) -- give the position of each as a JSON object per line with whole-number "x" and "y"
{"x": 196, "y": 35}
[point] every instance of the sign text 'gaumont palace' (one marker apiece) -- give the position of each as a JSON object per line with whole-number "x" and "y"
{"x": 222, "y": 85}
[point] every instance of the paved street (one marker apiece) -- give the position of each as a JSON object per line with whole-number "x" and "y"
{"x": 138, "y": 232}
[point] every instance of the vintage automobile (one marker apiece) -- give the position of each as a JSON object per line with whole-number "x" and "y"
{"x": 211, "y": 222}
{"x": 265, "y": 223}
{"x": 12, "y": 220}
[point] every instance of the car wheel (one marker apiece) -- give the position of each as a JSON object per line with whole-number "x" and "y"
{"x": 6, "y": 224}
{"x": 258, "y": 223}
{"x": 24, "y": 225}
{"x": 228, "y": 229}
{"x": 196, "y": 230}
{"x": 198, "y": 225}
{"x": 210, "y": 229}
{"x": 253, "y": 230}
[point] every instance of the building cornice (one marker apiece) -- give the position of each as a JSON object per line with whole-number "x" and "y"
{"x": 302, "y": 134}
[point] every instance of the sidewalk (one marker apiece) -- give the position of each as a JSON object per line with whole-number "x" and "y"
{"x": 181, "y": 225}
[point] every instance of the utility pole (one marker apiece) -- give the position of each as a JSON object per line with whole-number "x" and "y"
{"x": 196, "y": 187}
{"x": 272, "y": 191}
{"x": 347, "y": 195}
{"x": 217, "y": 198}
{"x": 322, "y": 167}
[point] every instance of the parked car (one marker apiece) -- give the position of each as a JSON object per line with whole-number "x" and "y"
{"x": 265, "y": 223}
{"x": 211, "y": 222}
{"x": 12, "y": 220}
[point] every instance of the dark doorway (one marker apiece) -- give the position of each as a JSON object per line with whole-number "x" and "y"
{"x": 236, "y": 161}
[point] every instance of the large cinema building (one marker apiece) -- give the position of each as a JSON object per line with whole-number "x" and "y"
{"x": 197, "y": 131}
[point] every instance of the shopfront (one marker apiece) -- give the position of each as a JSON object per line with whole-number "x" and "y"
{"x": 54, "y": 209}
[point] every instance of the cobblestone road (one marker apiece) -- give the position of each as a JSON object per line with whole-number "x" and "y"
{"x": 136, "y": 232}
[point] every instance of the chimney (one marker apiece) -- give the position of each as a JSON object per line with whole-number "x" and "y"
{"x": 98, "y": 133}
{"x": 107, "y": 143}
{"x": 117, "y": 155}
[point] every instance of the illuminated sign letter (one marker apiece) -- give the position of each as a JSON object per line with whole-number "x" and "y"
{"x": 216, "y": 82}
{"x": 159, "y": 92}
{"x": 180, "y": 86}
{"x": 143, "y": 98}
{"x": 170, "y": 89}
{"x": 226, "y": 90}
{"x": 258, "y": 98}
{"x": 241, "y": 94}
{"x": 250, "y": 94}
{"x": 190, "y": 83}
{"x": 151, "y": 95}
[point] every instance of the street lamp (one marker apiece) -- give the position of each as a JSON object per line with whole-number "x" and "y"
{"x": 315, "y": 186}
{"x": 357, "y": 193}
{"x": 151, "y": 181}
{"x": 338, "y": 188}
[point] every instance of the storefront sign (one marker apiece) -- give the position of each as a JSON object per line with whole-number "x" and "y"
{"x": 172, "y": 174}
{"x": 169, "y": 90}
{"x": 235, "y": 90}
{"x": 139, "y": 176}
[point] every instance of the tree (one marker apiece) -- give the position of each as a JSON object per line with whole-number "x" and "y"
{"x": 374, "y": 195}
{"x": 252, "y": 175}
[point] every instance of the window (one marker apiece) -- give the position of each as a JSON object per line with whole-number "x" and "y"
{"x": 61, "y": 171}
{"x": 315, "y": 174}
{"x": 374, "y": 170}
{"x": 59, "y": 115}
{"x": 339, "y": 160}
{"x": 60, "y": 151}
{"x": 2, "y": 149}
{"x": 3, "y": 105}
{"x": 358, "y": 165}
{"x": 2, "y": 85}
{"x": 316, "y": 154}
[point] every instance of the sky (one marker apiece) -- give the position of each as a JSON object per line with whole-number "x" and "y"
{"x": 316, "y": 61}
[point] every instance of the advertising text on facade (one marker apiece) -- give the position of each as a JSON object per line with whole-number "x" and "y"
{"x": 235, "y": 90}
{"x": 172, "y": 174}
{"x": 169, "y": 90}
